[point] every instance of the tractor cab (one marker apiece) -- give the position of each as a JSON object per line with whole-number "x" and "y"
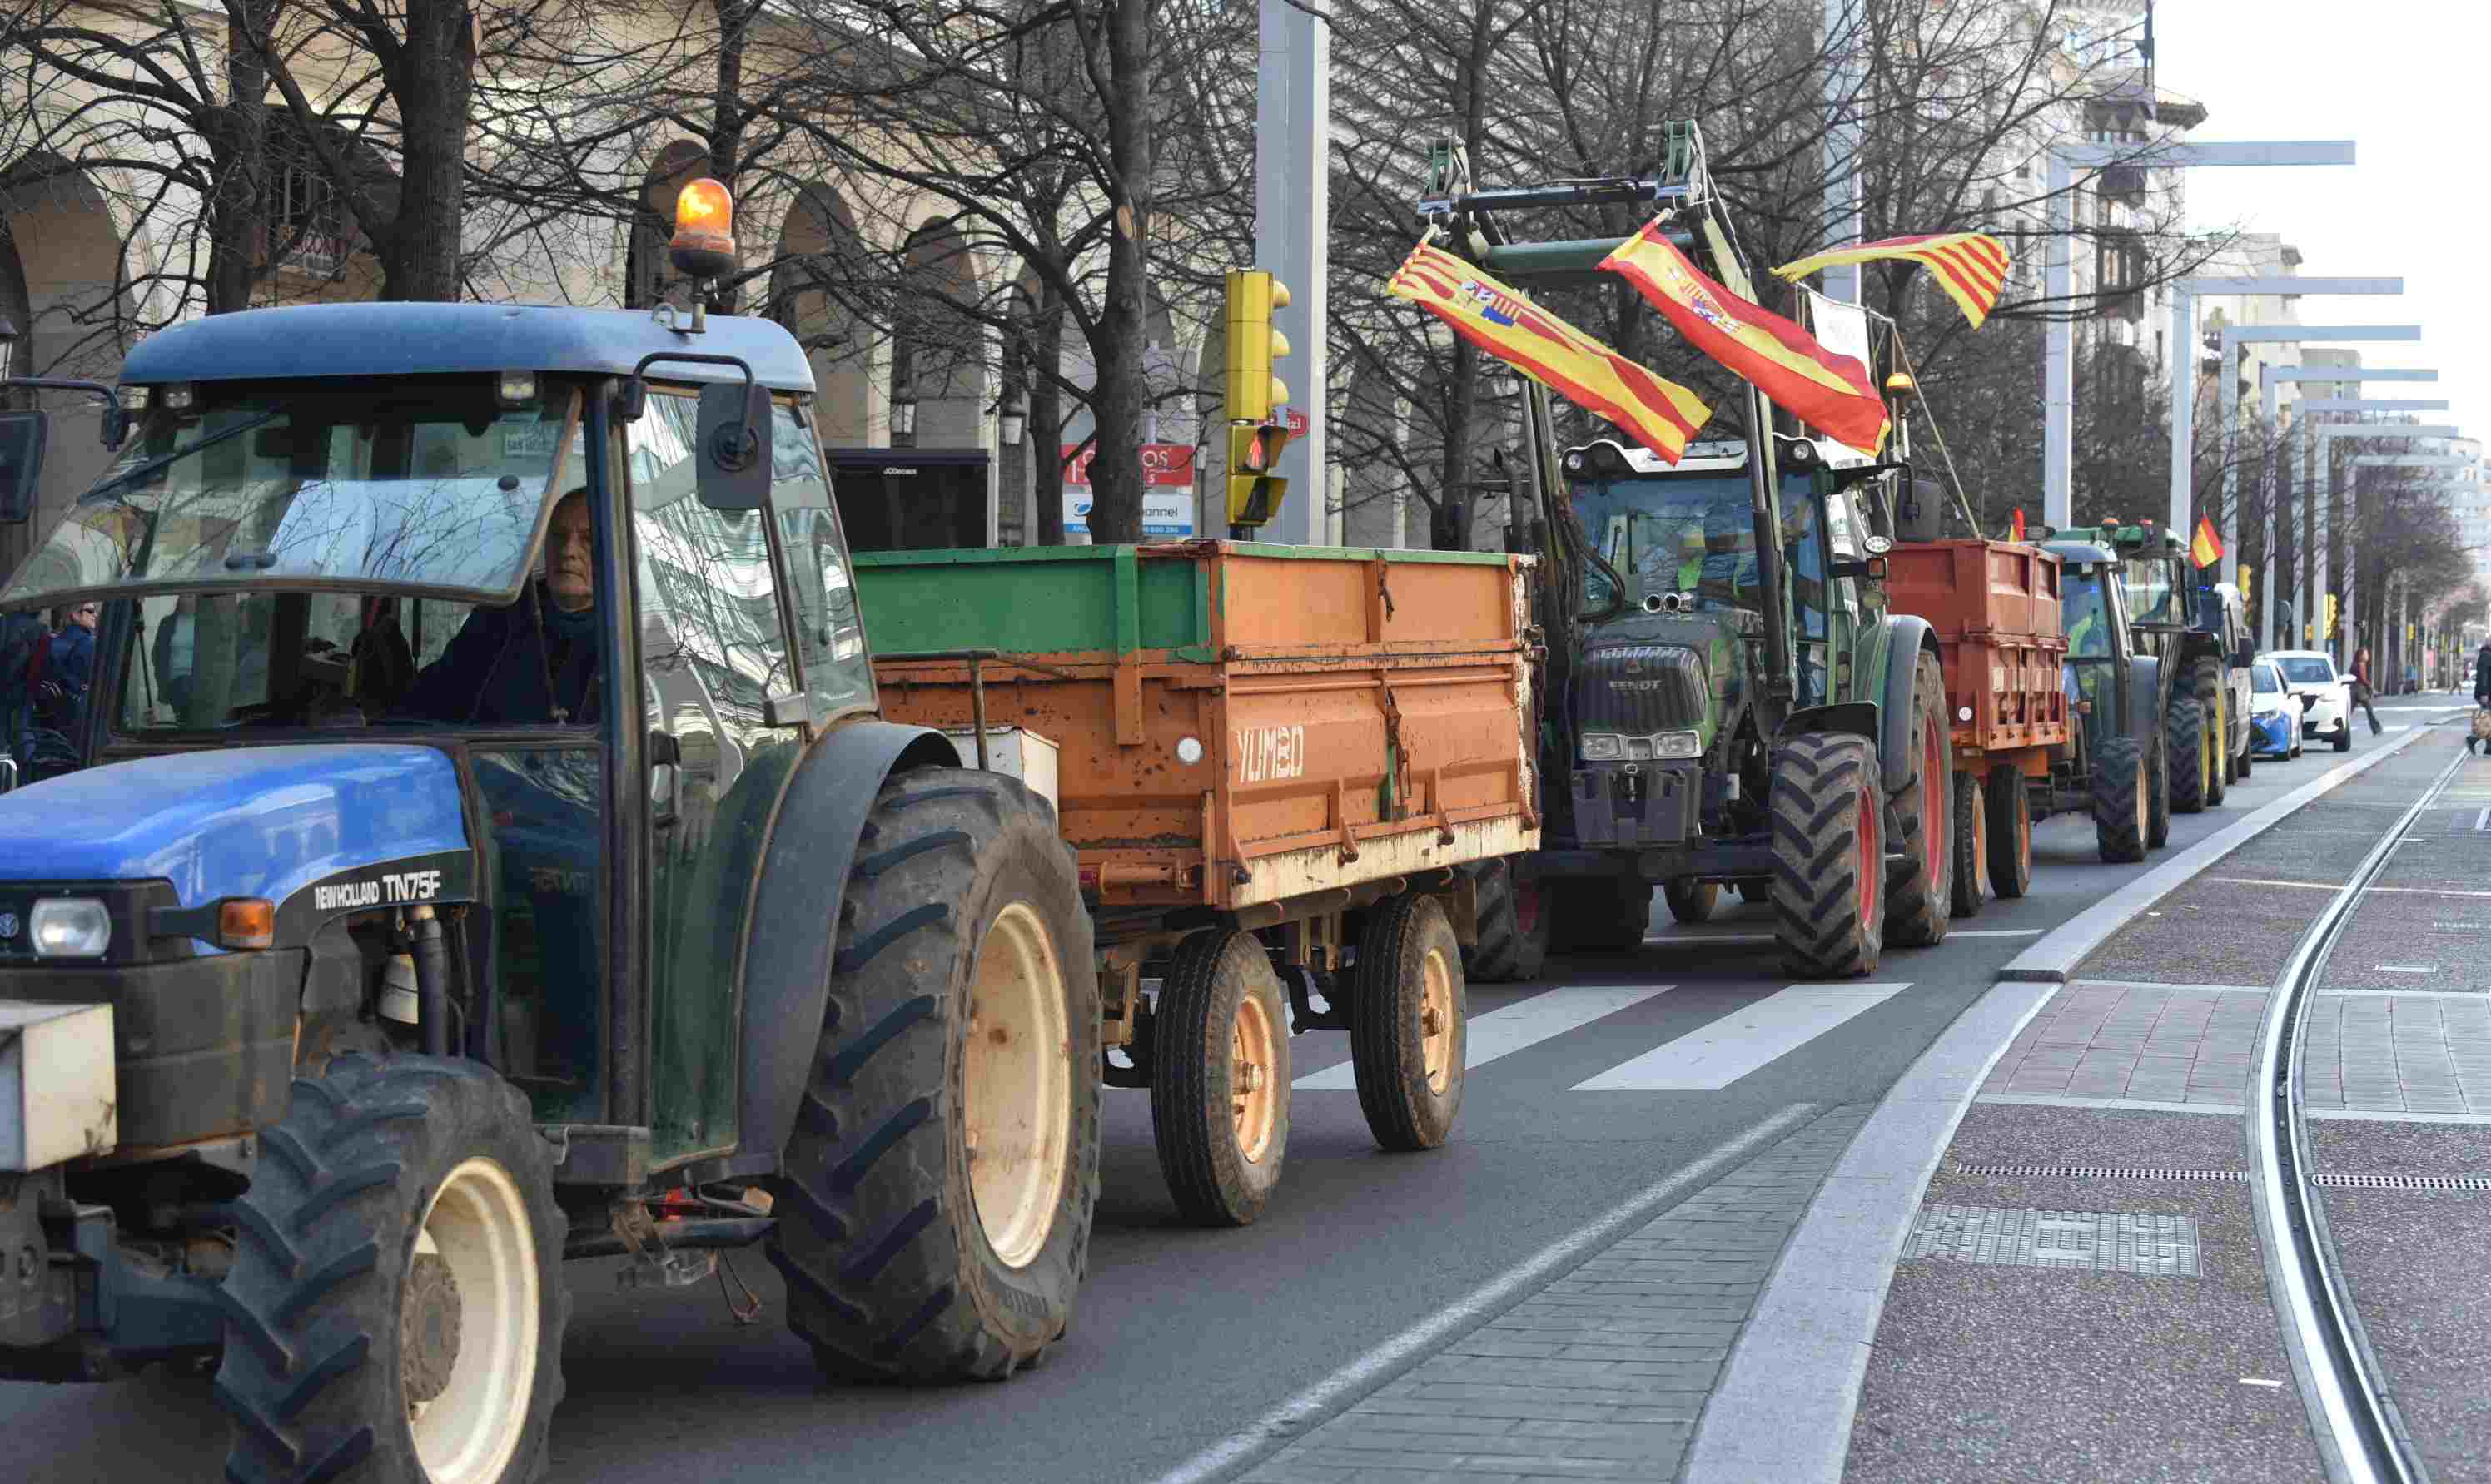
{"x": 2100, "y": 639}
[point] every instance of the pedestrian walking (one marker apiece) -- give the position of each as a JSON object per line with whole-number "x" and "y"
{"x": 2481, "y": 701}
{"x": 2361, "y": 691}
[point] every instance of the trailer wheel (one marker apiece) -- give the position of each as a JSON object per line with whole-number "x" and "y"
{"x": 395, "y": 1306}
{"x": 934, "y": 1219}
{"x": 1919, "y": 903}
{"x": 1692, "y": 901}
{"x": 2157, "y": 791}
{"x": 1603, "y": 914}
{"x": 1828, "y": 855}
{"x": 2119, "y": 804}
{"x": 1513, "y": 928}
{"x": 2191, "y": 754}
{"x": 2010, "y": 833}
{"x": 1409, "y": 1024}
{"x": 1219, "y": 1080}
{"x": 2206, "y": 681}
{"x": 1970, "y": 846}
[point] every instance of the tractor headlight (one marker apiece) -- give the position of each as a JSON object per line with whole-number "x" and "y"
{"x": 70, "y": 927}
{"x": 1678, "y": 744}
{"x": 1603, "y": 746}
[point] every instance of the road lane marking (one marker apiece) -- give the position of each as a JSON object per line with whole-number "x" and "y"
{"x": 1996, "y": 932}
{"x": 1502, "y": 1033}
{"x": 2482, "y": 821}
{"x": 2406, "y": 968}
{"x": 1335, "y": 1393}
{"x": 1711, "y": 1058}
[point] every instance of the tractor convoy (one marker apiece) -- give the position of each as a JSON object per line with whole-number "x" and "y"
{"x": 508, "y": 825}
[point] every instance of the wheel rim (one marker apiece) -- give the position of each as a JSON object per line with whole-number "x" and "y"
{"x": 1436, "y": 1019}
{"x": 1872, "y": 858}
{"x": 2023, "y": 832}
{"x": 1526, "y": 908}
{"x": 2144, "y": 803}
{"x": 467, "y": 1326}
{"x": 1933, "y": 836}
{"x": 1016, "y": 1086}
{"x": 1979, "y": 841}
{"x": 1254, "y": 1104}
{"x": 2206, "y": 759}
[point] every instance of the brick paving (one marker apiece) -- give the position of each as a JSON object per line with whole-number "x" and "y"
{"x": 2398, "y": 1053}
{"x": 1601, "y": 1375}
{"x": 2157, "y": 1043}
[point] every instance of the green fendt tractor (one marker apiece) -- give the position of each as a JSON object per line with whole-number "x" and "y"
{"x": 416, "y": 924}
{"x": 1743, "y": 711}
{"x": 2114, "y": 765}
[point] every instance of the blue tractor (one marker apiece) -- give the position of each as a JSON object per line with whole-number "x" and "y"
{"x": 482, "y": 849}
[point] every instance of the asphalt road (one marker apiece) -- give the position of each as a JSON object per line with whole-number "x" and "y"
{"x": 1186, "y": 1337}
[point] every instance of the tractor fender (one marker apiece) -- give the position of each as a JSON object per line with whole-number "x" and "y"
{"x": 1856, "y": 718}
{"x": 1907, "y": 637}
{"x": 2144, "y": 700}
{"x": 794, "y": 926}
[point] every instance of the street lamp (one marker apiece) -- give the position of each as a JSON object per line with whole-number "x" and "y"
{"x": 903, "y": 410}
{"x": 8, "y": 346}
{"x": 1011, "y": 418}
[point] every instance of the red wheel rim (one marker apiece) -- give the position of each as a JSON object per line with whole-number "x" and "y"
{"x": 1872, "y": 858}
{"x": 1933, "y": 778}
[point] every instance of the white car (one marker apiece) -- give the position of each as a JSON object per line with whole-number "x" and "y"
{"x": 2313, "y": 673}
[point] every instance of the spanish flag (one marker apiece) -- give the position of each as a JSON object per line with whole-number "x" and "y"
{"x": 1660, "y": 415}
{"x": 1971, "y": 266}
{"x": 1828, "y": 393}
{"x": 2206, "y": 548}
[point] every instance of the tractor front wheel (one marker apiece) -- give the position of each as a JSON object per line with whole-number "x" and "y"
{"x": 934, "y": 1216}
{"x": 2121, "y": 807}
{"x": 1828, "y": 855}
{"x": 2192, "y": 755}
{"x": 1513, "y": 923}
{"x": 1970, "y": 846}
{"x": 396, "y": 1307}
{"x": 1920, "y": 905}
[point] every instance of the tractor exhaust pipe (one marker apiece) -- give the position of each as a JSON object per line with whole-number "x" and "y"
{"x": 431, "y": 981}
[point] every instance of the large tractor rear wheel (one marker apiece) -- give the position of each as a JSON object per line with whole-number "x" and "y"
{"x": 2119, "y": 803}
{"x": 1601, "y": 915}
{"x": 396, "y": 1308}
{"x": 934, "y": 1217}
{"x": 1409, "y": 1024}
{"x": 1971, "y": 854}
{"x": 2192, "y": 752}
{"x": 1922, "y": 901}
{"x": 2010, "y": 833}
{"x": 1513, "y": 928}
{"x": 1828, "y": 855}
{"x": 2206, "y": 683}
{"x": 1219, "y": 1078}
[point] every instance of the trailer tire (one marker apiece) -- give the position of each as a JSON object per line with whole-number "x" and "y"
{"x": 1221, "y": 1145}
{"x": 963, "y": 963}
{"x": 1828, "y": 855}
{"x": 1513, "y": 928}
{"x": 2191, "y": 754}
{"x": 1603, "y": 914}
{"x": 400, "y": 1248}
{"x": 2119, "y": 803}
{"x": 2206, "y": 683}
{"x": 1970, "y": 846}
{"x": 1692, "y": 901}
{"x": 1919, "y": 900}
{"x": 2157, "y": 795}
{"x": 1409, "y": 1024}
{"x": 2010, "y": 833}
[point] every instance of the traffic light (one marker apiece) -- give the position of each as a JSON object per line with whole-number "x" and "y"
{"x": 2248, "y": 586}
{"x": 2333, "y": 630}
{"x": 1255, "y": 397}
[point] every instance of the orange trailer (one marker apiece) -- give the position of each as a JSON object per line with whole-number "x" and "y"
{"x": 1281, "y": 770}
{"x": 1995, "y": 608}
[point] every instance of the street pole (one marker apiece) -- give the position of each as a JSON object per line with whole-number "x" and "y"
{"x": 2059, "y": 351}
{"x": 1845, "y": 75}
{"x": 2298, "y": 454}
{"x": 1292, "y": 211}
{"x": 2233, "y": 337}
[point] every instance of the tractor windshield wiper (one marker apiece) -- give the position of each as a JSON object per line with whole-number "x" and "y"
{"x": 183, "y": 451}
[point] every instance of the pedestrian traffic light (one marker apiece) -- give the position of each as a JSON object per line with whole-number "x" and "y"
{"x": 1253, "y": 344}
{"x": 1257, "y": 399}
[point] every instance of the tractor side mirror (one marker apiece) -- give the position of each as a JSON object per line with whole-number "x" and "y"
{"x": 22, "y": 436}
{"x": 734, "y": 439}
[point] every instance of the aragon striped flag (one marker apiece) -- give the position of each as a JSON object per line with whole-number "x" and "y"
{"x": 1660, "y": 415}
{"x": 1970, "y": 266}
{"x": 1828, "y": 391}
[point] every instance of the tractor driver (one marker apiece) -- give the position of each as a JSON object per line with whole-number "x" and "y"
{"x": 533, "y": 660}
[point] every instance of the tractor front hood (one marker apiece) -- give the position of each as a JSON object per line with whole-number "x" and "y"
{"x": 251, "y": 822}
{"x": 1645, "y": 673}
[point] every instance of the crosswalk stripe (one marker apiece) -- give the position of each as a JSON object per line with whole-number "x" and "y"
{"x": 1711, "y": 1058}
{"x": 1524, "y": 1023}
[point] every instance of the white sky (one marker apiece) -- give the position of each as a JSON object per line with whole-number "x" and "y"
{"x": 2407, "y": 80}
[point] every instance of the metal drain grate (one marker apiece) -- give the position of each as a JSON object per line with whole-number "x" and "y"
{"x": 2098, "y": 1172}
{"x": 2403, "y": 1181}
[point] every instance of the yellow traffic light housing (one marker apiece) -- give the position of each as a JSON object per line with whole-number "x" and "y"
{"x": 2333, "y": 629}
{"x": 1257, "y": 430}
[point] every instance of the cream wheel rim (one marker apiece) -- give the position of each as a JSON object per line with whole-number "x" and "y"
{"x": 469, "y": 1428}
{"x": 1436, "y": 1019}
{"x": 1016, "y": 1086}
{"x": 1253, "y": 1102}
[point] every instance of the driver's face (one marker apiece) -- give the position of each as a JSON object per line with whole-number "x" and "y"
{"x": 570, "y": 555}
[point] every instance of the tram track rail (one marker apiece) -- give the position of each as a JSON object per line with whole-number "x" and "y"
{"x": 2362, "y": 1436}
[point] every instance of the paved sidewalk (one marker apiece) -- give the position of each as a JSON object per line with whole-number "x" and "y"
{"x": 2135, "y": 1043}
{"x": 1603, "y": 1374}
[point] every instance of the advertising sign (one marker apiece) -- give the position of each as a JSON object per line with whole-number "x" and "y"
{"x": 1167, "y": 490}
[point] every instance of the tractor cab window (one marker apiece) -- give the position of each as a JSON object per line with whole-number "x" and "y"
{"x": 1689, "y": 534}
{"x": 2152, "y": 599}
{"x": 1804, "y": 546}
{"x": 2087, "y": 615}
